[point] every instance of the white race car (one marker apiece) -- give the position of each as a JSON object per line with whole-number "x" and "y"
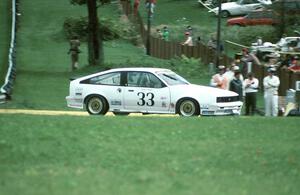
{"x": 148, "y": 90}
{"x": 240, "y": 7}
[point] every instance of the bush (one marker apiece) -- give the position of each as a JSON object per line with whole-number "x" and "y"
{"x": 76, "y": 26}
{"x": 111, "y": 29}
{"x": 188, "y": 67}
{"x": 248, "y": 35}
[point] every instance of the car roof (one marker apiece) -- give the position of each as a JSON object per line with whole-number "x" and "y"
{"x": 141, "y": 69}
{"x": 146, "y": 69}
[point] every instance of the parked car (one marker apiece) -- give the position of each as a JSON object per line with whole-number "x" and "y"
{"x": 240, "y": 7}
{"x": 148, "y": 90}
{"x": 254, "y": 18}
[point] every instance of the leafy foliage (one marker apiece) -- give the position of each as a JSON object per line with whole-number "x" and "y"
{"x": 248, "y": 35}
{"x": 111, "y": 29}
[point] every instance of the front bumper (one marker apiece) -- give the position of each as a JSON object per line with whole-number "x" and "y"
{"x": 222, "y": 109}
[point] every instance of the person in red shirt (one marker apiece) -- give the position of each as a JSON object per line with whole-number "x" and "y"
{"x": 136, "y": 7}
{"x": 295, "y": 65}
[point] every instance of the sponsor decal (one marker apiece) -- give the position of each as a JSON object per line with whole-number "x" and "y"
{"x": 164, "y": 104}
{"x": 163, "y": 98}
{"x": 116, "y": 102}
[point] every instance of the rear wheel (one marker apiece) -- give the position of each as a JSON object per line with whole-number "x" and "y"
{"x": 225, "y": 14}
{"x": 188, "y": 107}
{"x": 96, "y": 105}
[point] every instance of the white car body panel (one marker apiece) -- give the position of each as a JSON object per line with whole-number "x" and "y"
{"x": 152, "y": 100}
{"x": 235, "y": 8}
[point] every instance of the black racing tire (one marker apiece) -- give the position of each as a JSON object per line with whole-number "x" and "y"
{"x": 96, "y": 105}
{"x": 121, "y": 113}
{"x": 188, "y": 107}
{"x": 225, "y": 14}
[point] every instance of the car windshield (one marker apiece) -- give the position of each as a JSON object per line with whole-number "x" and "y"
{"x": 172, "y": 78}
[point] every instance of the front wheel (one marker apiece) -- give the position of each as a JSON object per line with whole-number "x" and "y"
{"x": 188, "y": 107}
{"x": 96, "y": 105}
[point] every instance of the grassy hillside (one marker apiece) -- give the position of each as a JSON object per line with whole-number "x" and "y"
{"x": 149, "y": 155}
{"x": 5, "y": 21}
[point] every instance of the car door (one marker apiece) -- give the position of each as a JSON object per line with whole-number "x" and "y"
{"x": 144, "y": 92}
{"x": 249, "y": 5}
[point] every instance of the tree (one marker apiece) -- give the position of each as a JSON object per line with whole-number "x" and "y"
{"x": 95, "y": 42}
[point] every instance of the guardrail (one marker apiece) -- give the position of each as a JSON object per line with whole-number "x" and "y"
{"x": 6, "y": 88}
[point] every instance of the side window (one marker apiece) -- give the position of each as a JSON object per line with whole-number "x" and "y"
{"x": 155, "y": 82}
{"x": 133, "y": 79}
{"x": 107, "y": 79}
{"x": 143, "y": 79}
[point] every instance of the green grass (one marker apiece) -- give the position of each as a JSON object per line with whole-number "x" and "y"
{"x": 149, "y": 155}
{"x": 5, "y": 21}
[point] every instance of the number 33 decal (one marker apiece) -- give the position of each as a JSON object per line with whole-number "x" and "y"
{"x": 149, "y": 99}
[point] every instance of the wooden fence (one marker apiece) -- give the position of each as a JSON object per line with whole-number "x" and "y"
{"x": 169, "y": 49}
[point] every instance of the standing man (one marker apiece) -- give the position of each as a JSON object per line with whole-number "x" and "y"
{"x": 251, "y": 89}
{"x": 74, "y": 51}
{"x": 236, "y": 85}
{"x": 219, "y": 80}
{"x": 271, "y": 84}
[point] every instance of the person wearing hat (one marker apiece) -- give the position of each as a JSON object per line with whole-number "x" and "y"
{"x": 236, "y": 85}
{"x": 271, "y": 84}
{"x": 229, "y": 74}
{"x": 251, "y": 89}
{"x": 188, "y": 39}
{"x": 219, "y": 80}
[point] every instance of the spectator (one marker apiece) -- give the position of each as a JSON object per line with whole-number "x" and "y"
{"x": 251, "y": 89}
{"x": 229, "y": 74}
{"x": 165, "y": 33}
{"x": 249, "y": 59}
{"x": 212, "y": 43}
{"x": 236, "y": 85}
{"x": 152, "y": 4}
{"x": 273, "y": 60}
{"x": 188, "y": 39}
{"x": 271, "y": 84}
{"x": 159, "y": 33}
{"x": 295, "y": 67}
{"x": 136, "y": 7}
{"x": 74, "y": 51}
{"x": 219, "y": 80}
{"x": 189, "y": 29}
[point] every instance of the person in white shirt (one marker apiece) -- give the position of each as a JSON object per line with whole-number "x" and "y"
{"x": 189, "y": 39}
{"x": 251, "y": 89}
{"x": 219, "y": 80}
{"x": 271, "y": 84}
